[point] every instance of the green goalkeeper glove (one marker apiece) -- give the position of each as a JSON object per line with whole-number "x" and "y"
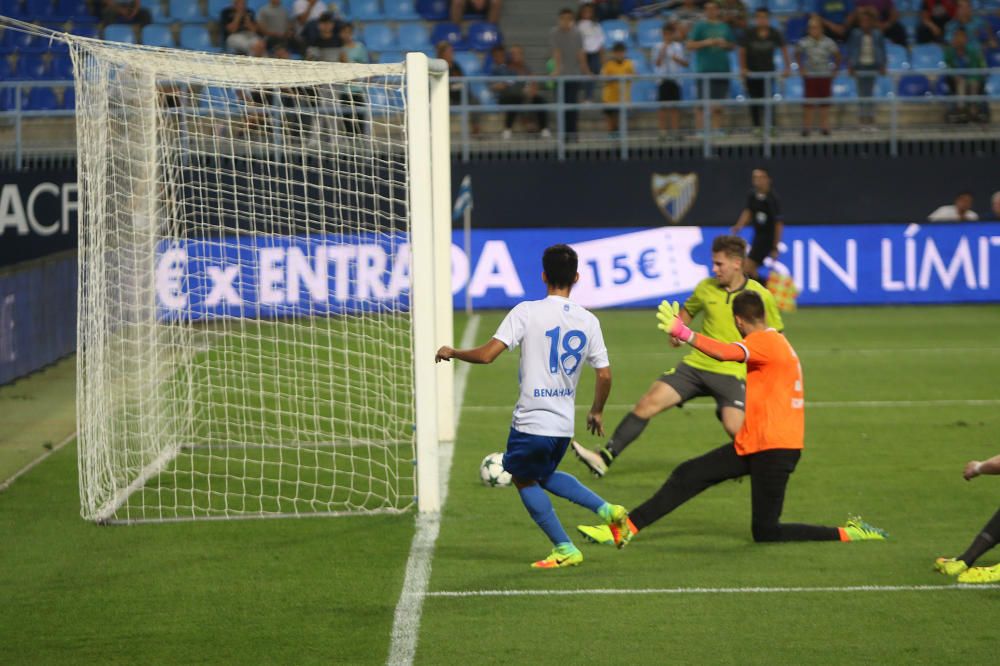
{"x": 668, "y": 314}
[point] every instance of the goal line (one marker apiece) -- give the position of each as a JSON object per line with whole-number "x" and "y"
{"x": 653, "y": 591}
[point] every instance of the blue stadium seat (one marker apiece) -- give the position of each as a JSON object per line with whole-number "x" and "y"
{"x": 41, "y": 99}
{"x": 908, "y": 5}
{"x": 649, "y": 32}
{"x": 256, "y": 5}
{"x": 927, "y": 56}
{"x": 993, "y": 85}
{"x": 385, "y": 100}
{"x": 482, "y": 93}
{"x": 6, "y": 71}
{"x": 32, "y": 66}
{"x": 215, "y": 7}
{"x": 413, "y": 37}
{"x": 910, "y": 23}
{"x": 845, "y": 87}
{"x": 11, "y": 8}
{"x": 783, "y": 6}
{"x": 62, "y": 67}
{"x": 644, "y": 91}
{"x": 795, "y": 28}
{"x": 616, "y": 30}
{"x": 38, "y": 9}
{"x": 84, "y": 29}
{"x": 433, "y": 10}
{"x": 884, "y": 87}
{"x": 639, "y": 59}
{"x": 364, "y": 10}
{"x": 186, "y": 10}
{"x": 794, "y": 89}
{"x": 196, "y": 38}
{"x": 7, "y": 99}
{"x": 119, "y": 33}
{"x": 157, "y": 35}
{"x": 689, "y": 90}
{"x": 898, "y": 57}
{"x": 159, "y": 14}
{"x": 470, "y": 62}
{"x": 219, "y": 100}
{"x": 993, "y": 58}
{"x": 483, "y": 36}
{"x": 446, "y": 32}
{"x": 736, "y": 90}
{"x": 69, "y": 98}
{"x": 914, "y": 85}
{"x": 71, "y": 9}
{"x": 391, "y": 56}
{"x": 378, "y": 36}
{"x": 16, "y": 40}
{"x": 400, "y": 10}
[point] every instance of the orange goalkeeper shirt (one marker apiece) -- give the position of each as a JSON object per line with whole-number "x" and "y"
{"x": 775, "y": 407}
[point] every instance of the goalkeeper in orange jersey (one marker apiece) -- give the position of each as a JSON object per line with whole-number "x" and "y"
{"x": 767, "y": 447}
{"x": 962, "y": 565}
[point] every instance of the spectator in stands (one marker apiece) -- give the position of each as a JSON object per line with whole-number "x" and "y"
{"x": 819, "y": 58}
{"x": 304, "y": 11}
{"x": 593, "y": 41}
{"x": 934, "y": 16}
{"x": 688, "y": 14}
{"x": 958, "y": 55}
{"x": 275, "y": 24}
{"x": 570, "y": 60}
{"x": 977, "y": 28}
{"x": 734, "y": 12}
{"x": 352, "y": 95}
{"x": 669, "y": 60}
{"x": 124, "y": 11}
{"x": 606, "y": 9}
{"x": 757, "y": 50}
{"x": 834, "y": 14}
{"x": 324, "y": 43}
{"x": 887, "y": 19}
{"x": 711, "y": 40}
{"x": 620, "y": 91}
{"x": 486, "y": 10}
{"x": 351, "y": 50}
{"x": 512, "y": 91}
{"x": 239, "y": 27}
{"x": 960, "y": 211}
{"x": 866, "y": 59}
{"x": 995, "y": 205}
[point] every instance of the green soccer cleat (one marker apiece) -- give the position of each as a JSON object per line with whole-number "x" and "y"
{"x": 949, "y": 566}
{"x": 597, "y": 534}
{"x": 561, "y": 556}
{"x": 980, "y": 575}
{"x": 858, "y": 530}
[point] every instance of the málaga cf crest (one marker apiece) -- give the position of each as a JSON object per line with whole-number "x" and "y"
{"x": 674, "y": 194}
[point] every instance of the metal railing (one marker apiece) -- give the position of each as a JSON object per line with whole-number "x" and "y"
{"x": 476, "y": 102}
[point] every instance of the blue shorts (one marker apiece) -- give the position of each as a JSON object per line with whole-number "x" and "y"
{"x": 533, "y": 457}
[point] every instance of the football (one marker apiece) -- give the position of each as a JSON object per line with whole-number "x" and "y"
{"x": 492, "y": 473}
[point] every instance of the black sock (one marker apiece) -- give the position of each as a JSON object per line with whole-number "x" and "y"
{"x": 626, "y": 432}
{"x": 983, "y": 541}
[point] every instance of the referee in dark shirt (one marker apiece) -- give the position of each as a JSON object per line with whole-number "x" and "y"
{"x": 761, "y": 211}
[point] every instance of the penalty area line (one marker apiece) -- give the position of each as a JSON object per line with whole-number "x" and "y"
{"x": 467, "y": 594}
{"x": 406, "y": 620}
{"x": 36, "y": 462}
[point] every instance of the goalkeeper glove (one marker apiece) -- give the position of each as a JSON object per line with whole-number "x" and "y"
{"x": 668, "y": 314}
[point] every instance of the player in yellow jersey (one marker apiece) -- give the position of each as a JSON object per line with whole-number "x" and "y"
{"x": 697, "y": 374}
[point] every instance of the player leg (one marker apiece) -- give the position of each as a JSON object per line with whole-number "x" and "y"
{"x": 984, "y": 541}
{"x": 730, "y": 396}
{"x": 674, "y": 388}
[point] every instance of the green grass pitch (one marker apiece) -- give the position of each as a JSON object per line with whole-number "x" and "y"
{"x": 898, "y": 400}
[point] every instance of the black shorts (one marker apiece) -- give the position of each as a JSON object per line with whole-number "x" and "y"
{"x": 760, "y": 250}
{"x": 689, "y": 382}
{"x": 669, "y": 91}
{"x": 716, "y": 88}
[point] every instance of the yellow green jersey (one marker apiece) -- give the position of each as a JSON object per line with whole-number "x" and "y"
{"x": 717, "y": 304}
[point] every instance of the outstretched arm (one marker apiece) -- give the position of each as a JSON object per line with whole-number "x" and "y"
{"x": 602, "y": 389}
{"x": 673, "y": 324}
{"x": 974, "y": 468}
{"x": 486, "y": 353}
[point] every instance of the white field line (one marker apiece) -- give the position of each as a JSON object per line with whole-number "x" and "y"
{"x": 815, "y": 404}
{"x": 406, "y": 623}
{"x": 466, "y": 594}
{"x": 36, "y": 462}
{"x": 843, "y": 351}
{"x": 107, "y": 510}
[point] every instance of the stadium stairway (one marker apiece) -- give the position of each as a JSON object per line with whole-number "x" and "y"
{"x": 527, "y": 23}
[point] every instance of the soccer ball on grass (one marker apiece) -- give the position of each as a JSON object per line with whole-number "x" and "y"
{"x": 492, "y": 473}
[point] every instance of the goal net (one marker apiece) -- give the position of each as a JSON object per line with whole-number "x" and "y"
{"x": 253, "y": 234}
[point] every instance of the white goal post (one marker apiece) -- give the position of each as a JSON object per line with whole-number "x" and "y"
{"x": 265, "y": 274}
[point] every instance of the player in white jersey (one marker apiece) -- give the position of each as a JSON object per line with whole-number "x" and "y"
{"x": 556, "y": 337}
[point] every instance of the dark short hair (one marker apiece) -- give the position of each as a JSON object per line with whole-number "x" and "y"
{"x": 560, "y": 263}
{"x": 566, "y": 10}
{"x": 964, "y": 193}
{"x": 762, "y": 10}
{"x": 733, "y": 246}
{"x": 669, "y": 26}
{"x": 618, "y": 46}
{"x": 760, "y": 168}
{"x": 749, "y": 305}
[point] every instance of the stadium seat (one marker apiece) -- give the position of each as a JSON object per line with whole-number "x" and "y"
{"x": 185, "y": 10}
{"x": 689, "y": 90}
{"x": 119, "y": 33}
{"x": 400, "y": 10}
{"x": 639, "y": 59}
{"x": 11, "y": 8}
{"x": 649, "y": 32}
{"x": 41, "y": 99}
{"x": 385, "y": 100}
{"x": 795, "y": 28}
{"x": 910, "y": 23}
{"x": 993, "y": 58}
{"x": 793, "y": 89}
{"x": 364, "y": 10}
{"x": 908, "y": 5}
{"x": 196, "y": 38}
{"x": 470, "y": 62}
{"x": 6, "y": 71}
{"x": 884, "y": 87}
{"x": 7, "y": 97}
{"x": 71, "y": 9}
{"x": 38, "y": 9}
{"x": 391, "y": 56}
{"x": 736, "y": 90}
{"x": 433, "y": 10}
{"x": 783, "y": 6}
{"x": 218, "y": 100}
{"x": 215, "y": 7}
{"x": 482, "y": 93}
{"x": 993, "y": 85}
{"x": 16, "y": 40}
{"x": 257, "y": 5}
{"x": 84, "y": 29}
{"x": 644, "y": 91}
{"x": 32, "y": 66}
{"x": 483, "y": 36}
{"x": 615, "y": 31}
{"x": 898, "y": 57}
{"x": 446, "y": 32}
{"x": 413, "y": 37}
{"x": 159, "y": 14}
{"x": 157, "y": 35}
{"x": 927, "y": 56}
{"x": 914, "y": 85}
{"x": 62, "y": 67}
{"x": 378, "y": 36}
{"x": 69, "y": 98}
{"x": 844, "y": 87}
